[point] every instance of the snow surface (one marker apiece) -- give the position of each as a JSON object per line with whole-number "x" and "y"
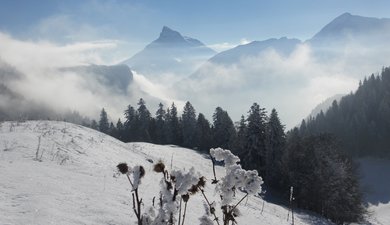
{"x": 375, "y": 181}
{"x": 70, "y": 180}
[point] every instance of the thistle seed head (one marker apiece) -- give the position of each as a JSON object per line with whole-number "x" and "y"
{"x": 141, "y": 171}
{"x": 201, "y": 182}
{"x": 159, "y": 167}
{"x": 193, "y": 190}
{"x": 185, "y": 197}
{"x": 123, "y": 168}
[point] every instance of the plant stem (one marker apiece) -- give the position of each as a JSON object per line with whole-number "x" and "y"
{"x": 184, "y": 214}
{"x": 211, "y": 211}
{"x": 215, "y": 175}
{"x": 180, "y": 211}
{"x": 131, "y": 183}
{"x": 239, "y": 202}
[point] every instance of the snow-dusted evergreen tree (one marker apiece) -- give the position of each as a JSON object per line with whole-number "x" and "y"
{"x": 224, "y": 133}
{"x": 276, "y": 140}
{"x": 188, "y": 119}
{"x": 160, "y": 125}
{"x": 143, "y": 120}
{"x": 203, "y": 133}
{"x": 253, "y": 155}
{"x": 104, "y": 125}
{"x": 241, "y": 136}
{"x": 130, "y": 125}
{"x": 173, "y": 126}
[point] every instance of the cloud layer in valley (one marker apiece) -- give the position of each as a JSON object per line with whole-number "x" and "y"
{"x": 44, "y": 81}
{"x": 292, "y": 84}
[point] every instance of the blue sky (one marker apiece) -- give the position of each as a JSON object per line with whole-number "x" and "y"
{"x": 137, "y": 22}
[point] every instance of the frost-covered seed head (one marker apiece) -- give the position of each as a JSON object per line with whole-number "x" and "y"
{"x": 123, "y": 168}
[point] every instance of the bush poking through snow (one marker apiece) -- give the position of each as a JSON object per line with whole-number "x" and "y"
{"x": 176, "y": 188}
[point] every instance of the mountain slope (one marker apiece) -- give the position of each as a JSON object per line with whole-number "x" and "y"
{"x": 170, "y": 53}
{"x": 117, "y": 78}
{"x": 69, "y": 180}
{"x": 283, "y": 46}
{"x": 346, "y": 28}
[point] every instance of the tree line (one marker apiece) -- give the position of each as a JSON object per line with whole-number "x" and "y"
{"x": 361, "y": 120}
{"x": 323, "y": 177}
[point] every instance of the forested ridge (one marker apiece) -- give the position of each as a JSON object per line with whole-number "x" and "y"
{"x": 361, "y": 120}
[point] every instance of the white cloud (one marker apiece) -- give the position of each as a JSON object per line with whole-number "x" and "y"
{"x": 219, "y": 47}
{"x": 244, "y": 41}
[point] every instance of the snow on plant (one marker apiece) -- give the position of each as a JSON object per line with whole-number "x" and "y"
{"x": 235, "y": 178}
{"x": 177, "y": 186}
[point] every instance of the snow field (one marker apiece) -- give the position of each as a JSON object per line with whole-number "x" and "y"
{"x": 71, "y": 178}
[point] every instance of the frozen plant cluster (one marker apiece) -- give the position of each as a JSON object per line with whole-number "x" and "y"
{"x": 172, "y": 189}
{"x": 175, "y": 188}
{"x": 184, "y": 181}
{"x": 235, "y": 177}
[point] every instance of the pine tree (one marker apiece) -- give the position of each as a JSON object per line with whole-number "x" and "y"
{"x": 241, "y": 136}
{"x": 189, "y": 125}
{"x": 275, "y": 140}
{"x": 94, "y": 125}
{"x": 112, "y": 131}
{"x": 254, "y": 154}
{"x": 160, "y": 125}
{"x": 173, "y": 126}
{"x": 324, "y": 179}
{"x": 143, "y": 118}
{"x": 130, "y": 125}
{"x": 103, "y": 122}
{"x": 203, "y": 134}
{"x": 224, "y": 132}
{"x": 120, "y": 129}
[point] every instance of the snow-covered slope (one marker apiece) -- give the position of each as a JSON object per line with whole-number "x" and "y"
{"x": 60, "y": 173}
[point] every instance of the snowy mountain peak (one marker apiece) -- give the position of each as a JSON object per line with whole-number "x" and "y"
{"x": 170, "y": 53}
{"x": 169, "y": 35}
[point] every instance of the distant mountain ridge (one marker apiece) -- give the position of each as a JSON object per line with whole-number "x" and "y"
{"x": 282, "y": 45}
{"x": 347, "y": 26}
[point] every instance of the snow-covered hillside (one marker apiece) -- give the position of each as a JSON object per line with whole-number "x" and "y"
{"x": 61, "y": 173}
